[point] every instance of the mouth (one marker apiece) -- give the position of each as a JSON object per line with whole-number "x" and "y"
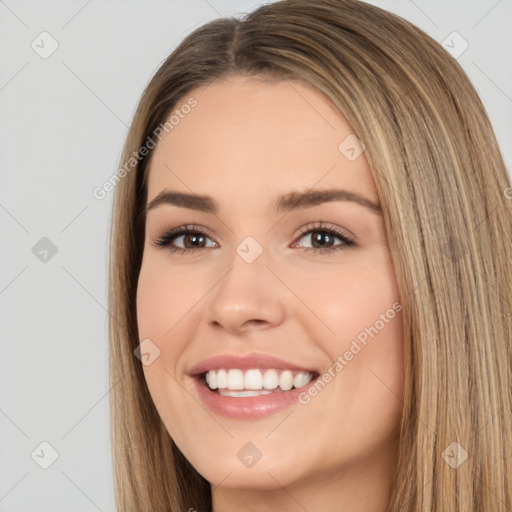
{"x": 251, "y": 386}
{"x": 253, "y": 393}
{"x": 253, "y": 382}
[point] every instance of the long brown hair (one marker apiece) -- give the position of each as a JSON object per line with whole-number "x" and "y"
{"x": 441, "y": 181}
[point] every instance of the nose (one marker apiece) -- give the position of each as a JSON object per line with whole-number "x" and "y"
{"x": 246, "y": 298}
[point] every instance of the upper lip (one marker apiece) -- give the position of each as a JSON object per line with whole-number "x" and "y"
{"x": 245, "y": 363}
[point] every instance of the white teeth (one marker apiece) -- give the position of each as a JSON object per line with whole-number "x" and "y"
{"x": 211, "y": 379}
{"x": 235, "y": 379}
{"x": 286, "y": 380}
{"x": 222, "y": 379}
{"x": 255, "y": 382}
{"x": 301, "y": 379}
{"x": 225, "y": 392}
{"x": 270, "y": 379}
{"x": 253, "y": 379}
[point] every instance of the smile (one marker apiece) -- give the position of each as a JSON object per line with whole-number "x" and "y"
{"x": 235, "y": 382}
{"x": 250, "y": 386}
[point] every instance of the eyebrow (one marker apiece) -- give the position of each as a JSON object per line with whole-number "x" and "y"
{"x": 287, "y": 202}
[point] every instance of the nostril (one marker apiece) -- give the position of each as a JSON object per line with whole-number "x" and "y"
{"x": 257, "y": 322}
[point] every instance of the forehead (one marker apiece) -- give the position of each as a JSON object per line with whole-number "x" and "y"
{"x": 253, "y": 138}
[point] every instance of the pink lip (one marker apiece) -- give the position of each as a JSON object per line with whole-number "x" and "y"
{"x": 246, "y": 407}
{"x": 245, "y": 363}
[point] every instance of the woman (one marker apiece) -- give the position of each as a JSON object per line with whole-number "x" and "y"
{"x": 311, "y": 274}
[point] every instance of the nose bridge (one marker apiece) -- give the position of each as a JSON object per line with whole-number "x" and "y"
{"x": 246, "y": 293}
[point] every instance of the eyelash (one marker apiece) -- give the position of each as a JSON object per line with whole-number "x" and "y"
{"x": 165, "y": 240}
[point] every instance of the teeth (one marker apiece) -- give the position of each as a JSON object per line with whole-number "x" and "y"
{"x": 225, "y": 392}
{"x": 253, "y": 379}
{"x": 255, "y": 382}
{"x": 286, "y": 380}
{"x": 270, "y": 379}
{"x": 211, "y": 379}
{"x": 222, "y": 379}
{"x": 301, "y": 379}
{"x": 235, "y": 379}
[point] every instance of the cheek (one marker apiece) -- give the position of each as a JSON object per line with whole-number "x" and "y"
{"x": 161, "y": 303}
{"x": 347, "y": 300}
{"x": 358, "y": 321}
{"x": 166, "y": 296}
{"x": 164, "y": 315}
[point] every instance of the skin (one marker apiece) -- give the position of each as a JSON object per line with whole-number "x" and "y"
{"x": 245, "y": 143}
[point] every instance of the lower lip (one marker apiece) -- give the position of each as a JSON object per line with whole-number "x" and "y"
{"x": 250, "y": 407}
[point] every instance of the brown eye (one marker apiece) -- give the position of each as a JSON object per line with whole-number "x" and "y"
{"x": 192, "y": 238}
{"x": 323, "y": 239}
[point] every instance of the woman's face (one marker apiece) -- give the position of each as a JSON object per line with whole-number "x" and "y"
{"x": 308, "y": 281}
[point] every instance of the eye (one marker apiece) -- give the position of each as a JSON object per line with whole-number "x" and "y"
{"x": 322, "y": 237}
{"x": 192, "y": 238}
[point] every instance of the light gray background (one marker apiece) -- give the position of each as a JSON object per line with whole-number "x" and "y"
{"x": 63, "y": 122}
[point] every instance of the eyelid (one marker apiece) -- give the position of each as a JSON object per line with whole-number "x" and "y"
{"x": 338, "y": 232}
{"x": 180, "y": 231}
{"x": 323, "y": 225}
